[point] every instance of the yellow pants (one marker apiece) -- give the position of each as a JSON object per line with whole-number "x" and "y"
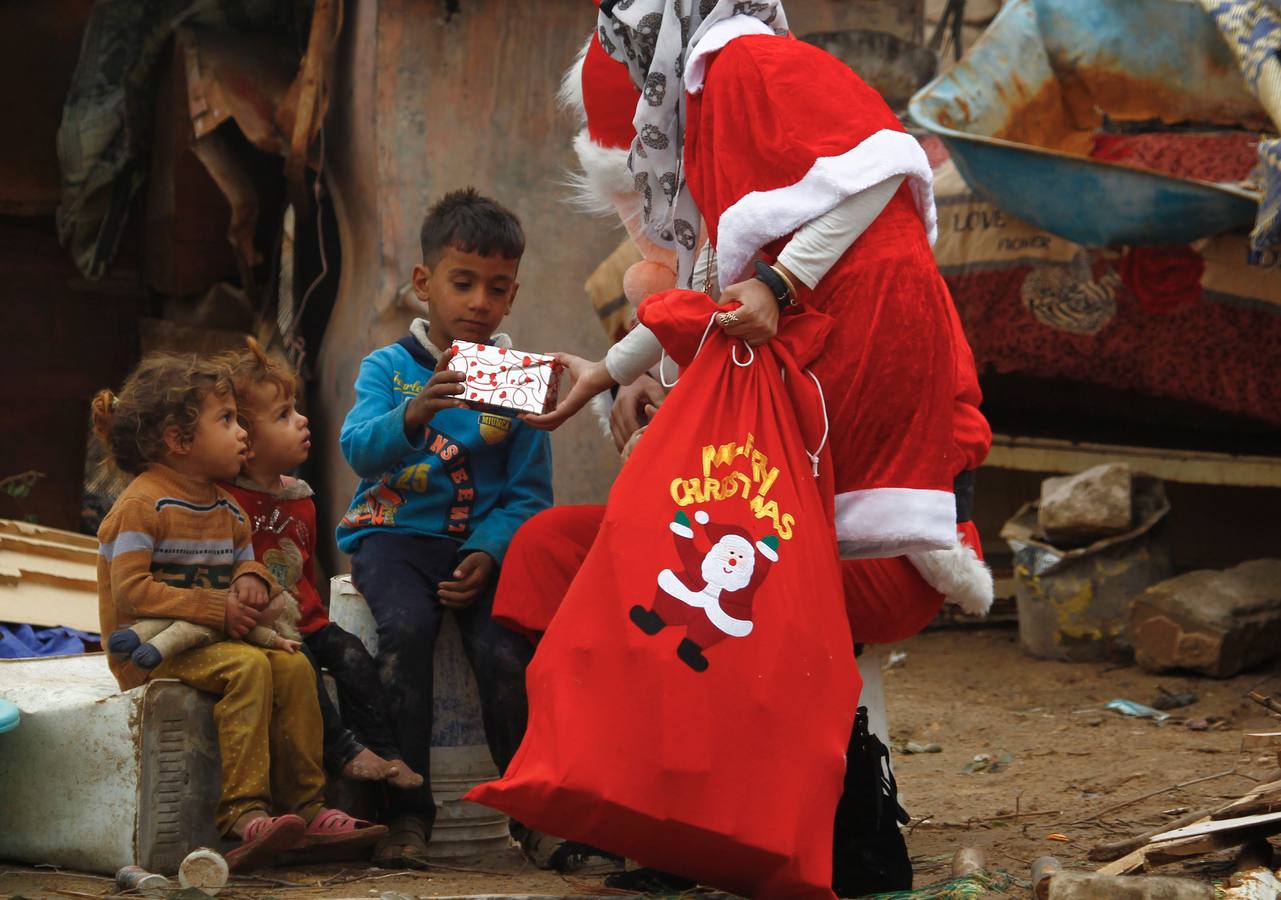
{"x": 269, "y": 730}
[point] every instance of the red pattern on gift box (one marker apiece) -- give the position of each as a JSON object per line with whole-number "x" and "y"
{"x": 505, "y": 379}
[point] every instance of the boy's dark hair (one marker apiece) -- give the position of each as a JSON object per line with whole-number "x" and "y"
{"x": 471, "y": 223}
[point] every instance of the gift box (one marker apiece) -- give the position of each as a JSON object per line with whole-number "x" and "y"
{"x": 505, "y": 380}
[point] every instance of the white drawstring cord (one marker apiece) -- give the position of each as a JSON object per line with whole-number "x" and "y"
{"x": 751, "y": 357}
{"x": 662, "y": 360}
{"x": 822, "y": 402}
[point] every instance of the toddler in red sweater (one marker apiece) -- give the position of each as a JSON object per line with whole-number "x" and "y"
{"x": 359, "y": 742}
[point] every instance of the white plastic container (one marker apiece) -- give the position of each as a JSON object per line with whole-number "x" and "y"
{"x": 96, "y": 779}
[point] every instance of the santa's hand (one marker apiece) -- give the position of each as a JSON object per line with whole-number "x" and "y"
{"x": 756, "y": 320}
{"x": 631, "y": 409}
{"x": 471, "y": 577}
{"x": 589, "y": 379}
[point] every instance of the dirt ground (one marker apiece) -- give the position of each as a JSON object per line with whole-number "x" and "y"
{"x": 1068, "y": 772}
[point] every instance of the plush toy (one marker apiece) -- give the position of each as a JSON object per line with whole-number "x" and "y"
{"x": 148, "y": 642}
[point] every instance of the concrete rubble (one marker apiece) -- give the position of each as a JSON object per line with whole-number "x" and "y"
{"x": 1087, "y": 506}
{"x": 1217, "y": 623}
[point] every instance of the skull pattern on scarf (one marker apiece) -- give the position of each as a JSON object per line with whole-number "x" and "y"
{"x": 653, "y": 38}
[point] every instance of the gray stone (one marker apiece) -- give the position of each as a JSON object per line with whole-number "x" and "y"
{"x": 1215, "y": 623}
{"x": 1089, "y": 505}
{"x": 1093, "y": 886}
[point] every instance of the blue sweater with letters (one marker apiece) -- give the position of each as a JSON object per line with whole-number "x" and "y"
{"x": 471, "y": 476}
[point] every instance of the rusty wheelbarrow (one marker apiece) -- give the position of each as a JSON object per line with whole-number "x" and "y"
{"x": 1019, "y": 112}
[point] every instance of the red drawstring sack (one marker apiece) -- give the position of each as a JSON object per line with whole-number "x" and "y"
{"x": 691, "y": 703}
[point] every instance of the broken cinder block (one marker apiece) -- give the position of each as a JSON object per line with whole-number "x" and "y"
{"x": 1089, "y": 505}
{"x": 1215, "y": 623}
{"x": 1093, "y": 886}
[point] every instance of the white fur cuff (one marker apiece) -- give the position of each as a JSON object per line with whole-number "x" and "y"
{"x": 959, "y": 575}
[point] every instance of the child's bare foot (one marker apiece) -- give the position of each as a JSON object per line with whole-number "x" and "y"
{"x": 366, "y": 766}
{"x": 399, "y": 775}
{"x": 241, "y": 824}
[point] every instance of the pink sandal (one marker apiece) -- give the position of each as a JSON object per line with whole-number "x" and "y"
{"x": 334, "y": 828}
{"x": 264, "y": 839}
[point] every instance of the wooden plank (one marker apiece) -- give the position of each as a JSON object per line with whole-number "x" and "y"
{"x": 55, "y": 535}
{"x": 48, "y": 576}
{"x": 48, "y": 605}
{"x": 1134, "y": 861}
{"x": 1221, "y": 826}
{"x": 1264, "y": 798}
{"x": 1261, "y": 740}
{"x": 30, "y": 566}
{"x": 1031, "y": 454}
{"x": 51, "y": 549}
{"x": 1110, "y": 850}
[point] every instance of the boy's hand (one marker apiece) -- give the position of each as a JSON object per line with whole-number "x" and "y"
{"x": 439, "y": 394}
{"x": 589, "y": 379}
{"x": 252, "y": 591}
{"x": 238, "y": 618}
{"x": 471, "y": 577}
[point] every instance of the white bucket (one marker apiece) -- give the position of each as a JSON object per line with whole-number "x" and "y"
{"x": 459, "y": 755}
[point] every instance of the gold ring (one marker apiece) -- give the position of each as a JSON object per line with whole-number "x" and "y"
{"x": 728, "y": 318}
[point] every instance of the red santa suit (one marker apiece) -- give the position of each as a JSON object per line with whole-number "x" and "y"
{"x": 900, "y": 381}
{"x": 819, "y": 135}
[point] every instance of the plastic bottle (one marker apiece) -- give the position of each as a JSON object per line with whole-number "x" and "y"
{"x": 136, "y": 878}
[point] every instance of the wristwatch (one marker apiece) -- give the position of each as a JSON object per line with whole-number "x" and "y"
{"x": 777, "y": 284}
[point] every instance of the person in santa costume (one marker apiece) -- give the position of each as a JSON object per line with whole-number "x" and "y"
{"x": 900, "y": 381}
{"x": 780, "y": 154}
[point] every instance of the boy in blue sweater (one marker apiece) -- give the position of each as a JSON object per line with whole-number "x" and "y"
{"x": 443, "y": 488}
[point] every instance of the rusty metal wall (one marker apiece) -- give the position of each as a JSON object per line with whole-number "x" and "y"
{"x": 430, "y": 96}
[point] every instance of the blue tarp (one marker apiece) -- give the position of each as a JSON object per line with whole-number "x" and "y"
{"x": 19, "y": 641}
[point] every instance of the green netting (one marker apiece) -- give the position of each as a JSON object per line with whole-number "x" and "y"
{"x": 980, "y": 884}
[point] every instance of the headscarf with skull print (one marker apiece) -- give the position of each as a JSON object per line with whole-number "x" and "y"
{"x": 653, "y": 38}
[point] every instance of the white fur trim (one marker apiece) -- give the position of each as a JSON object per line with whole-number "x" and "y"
{"x": 882, "y": 522}
{"x": 766, "y": 551}
{"x": 959, "y": 575}
{"x": 707, "y": 602}
{"x": 570, "y": 95}
{"x": 603, "y": 175}
{"x": 683, "y": 530}
{"x": 420, "y": 326}
{"x": 601, "y": 405}
{"x": 761, "y": 216}
{"x": 715, "y": 39}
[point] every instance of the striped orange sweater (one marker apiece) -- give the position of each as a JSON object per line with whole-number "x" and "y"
{"x": 169, "y": 549}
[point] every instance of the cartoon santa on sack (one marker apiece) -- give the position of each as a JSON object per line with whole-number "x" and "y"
{"x": 712, "y": 595}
